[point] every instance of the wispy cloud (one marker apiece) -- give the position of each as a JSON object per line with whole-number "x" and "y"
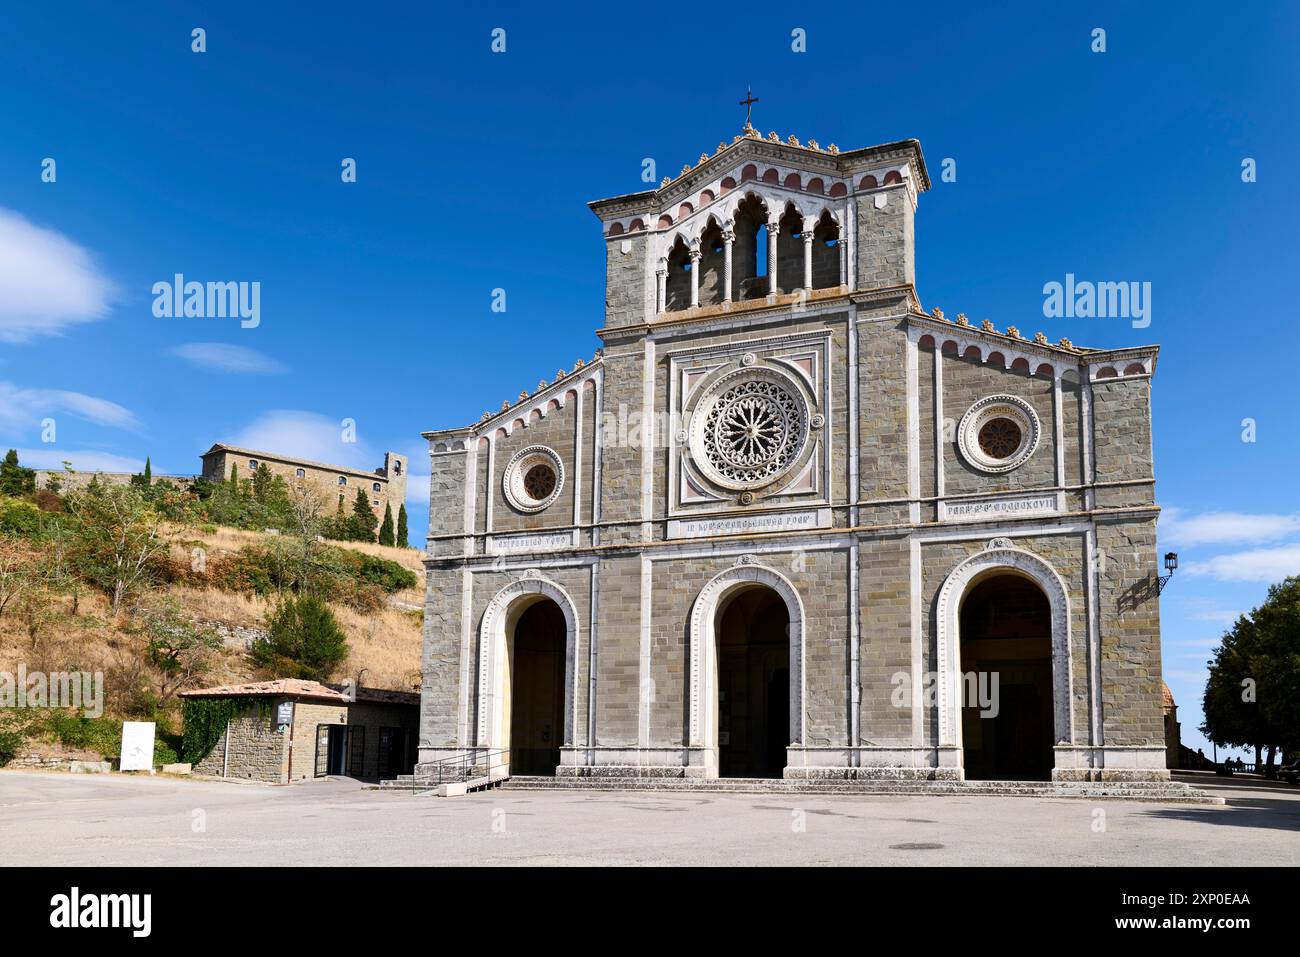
{"x": 1182, "y": 529}
{"x": 20, "y": 407}
{"x": 83, "y": 460}
{"x": 1267, "y": 565}
{"x": 47, "y": 281}
{"x": 224, "y": 357}
{"x": 306, "y": 435}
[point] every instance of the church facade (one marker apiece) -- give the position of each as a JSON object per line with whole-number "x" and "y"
{"x": 786, "y": 523}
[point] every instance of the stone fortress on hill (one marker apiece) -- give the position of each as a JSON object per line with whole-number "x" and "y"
{"x": 787, "y": 523}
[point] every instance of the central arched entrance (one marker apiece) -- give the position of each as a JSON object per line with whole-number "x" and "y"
{"x": 1005, "y": 691}
{"x": 535, "y": 704}
{"x": 753, "y": 683}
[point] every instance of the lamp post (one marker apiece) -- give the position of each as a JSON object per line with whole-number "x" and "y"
{"x": 1171, "y": 565}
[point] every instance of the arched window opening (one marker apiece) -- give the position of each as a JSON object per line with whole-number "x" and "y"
{"x": 677, "y": 289}
{"x": 789, "y": 252}
{"x": 749, "y": 254}
{"x": 712, "y": 264}
{"x": 826, "y": 254}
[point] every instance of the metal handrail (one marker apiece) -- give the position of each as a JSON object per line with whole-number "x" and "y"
{"x": 459, "y": 767}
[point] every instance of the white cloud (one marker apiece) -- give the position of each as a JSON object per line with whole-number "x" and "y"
{"x": 306, "y": 435}
{"x": 417, "y": 488}
{"x": 1267, "y": 565}
{"x": 27, "y": 407}
{"x": 83, "y": 460}
{"x": 223, "y": 357}
{"x": 1178, "y": 528}
{"x": 47, "y": 281}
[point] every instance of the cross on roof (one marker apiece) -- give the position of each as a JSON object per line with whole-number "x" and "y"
{"x": 748, "y": 103}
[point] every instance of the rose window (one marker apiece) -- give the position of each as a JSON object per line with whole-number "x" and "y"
{"x": 539, "y": 481}
{"x": 533, "y": 478}
{"x": 752, "y": 431}
{"x": 998, "y": 433}
{"x": 999, "y": 438}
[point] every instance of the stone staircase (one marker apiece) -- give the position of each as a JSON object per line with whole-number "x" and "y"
{"x": 1172, "y": 792}
{"x": 406, "y": 782}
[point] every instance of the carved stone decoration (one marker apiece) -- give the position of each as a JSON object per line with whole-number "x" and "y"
{"x": 498, "y": 618}
{"x": 749, "y": 429}
{"x": 703, "y": 719}
{"x": 1002, "y": 557}
{"x": 533, "y": 478}
{"x": 817, "y": 421}
{"x": 998, "y": 433}
{"x": 748, "y": 359}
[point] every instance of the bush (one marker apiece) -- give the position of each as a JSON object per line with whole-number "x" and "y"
{"x": 387, "y": 574}
{"x": 349, "y": 577}
{"x": 10, "y": 742}
{"x": 304, "y": 641}
{"x": 18, "y": 516}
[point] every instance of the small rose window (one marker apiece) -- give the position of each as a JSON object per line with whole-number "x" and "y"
{"x": 998, "y": 433}
{"x": 533, "y": 478}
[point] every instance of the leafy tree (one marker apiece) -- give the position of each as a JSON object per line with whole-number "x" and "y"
{"x": 234, "y": 475}
{"x": 386, "y": 529}
{"x": 180, "y": 649}
{"x": 304, "y": 640}
{"x": 14, "y": 479}
{"x": 120, "y": 539}
{"x": 1252, "y": 697}
{"x": 403, "y": 535}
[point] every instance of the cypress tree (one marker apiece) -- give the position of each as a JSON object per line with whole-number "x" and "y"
{"x": 363, "y": 518}
{"x": 386, "y": 529}
{"x": 403, "y": 535}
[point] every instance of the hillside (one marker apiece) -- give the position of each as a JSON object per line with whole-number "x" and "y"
{"x": 143, "y": 589}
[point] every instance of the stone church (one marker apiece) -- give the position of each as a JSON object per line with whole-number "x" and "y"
{"x": 788, "y": 523}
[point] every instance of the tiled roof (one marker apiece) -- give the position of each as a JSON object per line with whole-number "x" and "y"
{"x": 1168, "y": 697}
{"x": 290, "y": 687}
{"x": 276, "y": 456}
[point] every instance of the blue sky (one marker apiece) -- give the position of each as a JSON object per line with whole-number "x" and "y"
{"x": 473, "y": 169}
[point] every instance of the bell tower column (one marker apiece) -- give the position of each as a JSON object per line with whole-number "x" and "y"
{"x": 773, "y": 228}
{"x": 728, "y": 240}
{"x": 696, "y": 255}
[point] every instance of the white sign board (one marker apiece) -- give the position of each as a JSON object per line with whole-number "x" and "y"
{"x": 137, "y": 746}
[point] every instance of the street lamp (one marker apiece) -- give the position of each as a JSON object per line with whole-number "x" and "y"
{"x": 1171, "y": 565}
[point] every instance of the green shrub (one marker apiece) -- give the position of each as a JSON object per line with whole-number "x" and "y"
{"x": 10, "y": 742}
{"x": 304, "y": 640}
{"x": 18, "y": 516}
{"x": 387, "y": 574}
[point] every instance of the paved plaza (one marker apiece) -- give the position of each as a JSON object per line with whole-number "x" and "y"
{"x": 61, "y": 819}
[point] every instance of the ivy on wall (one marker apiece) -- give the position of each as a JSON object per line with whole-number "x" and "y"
{"x": 206, "y": 719}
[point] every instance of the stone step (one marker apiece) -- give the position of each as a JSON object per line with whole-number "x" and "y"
{"x": 1163, "y": 791}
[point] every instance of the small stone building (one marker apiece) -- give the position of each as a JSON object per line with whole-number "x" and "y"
{"x": 292, "y": 730}
{"x": 383, "y": 486}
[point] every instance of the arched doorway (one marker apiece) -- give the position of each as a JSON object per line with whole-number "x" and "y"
{"x": 535, "y": 704}
{"x": 527, "y": 654}
{"x": 1005, "y": 688}
{"x": 753, "y": 683}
